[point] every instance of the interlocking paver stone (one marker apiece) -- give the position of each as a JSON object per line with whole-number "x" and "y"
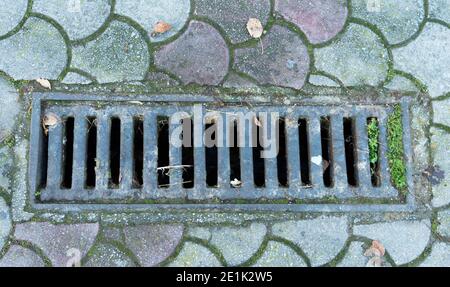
{"x": 236, "y": 81}
{"x": 279, "y": 255}
{"x": 321, "y": 238}
{"x": 74, "y": 78}
{"x": 9, "y": 107}
{"x": 281, "y": 59}
{"x": 5, "y": 222}
{"x": 232, "y": 15}
{"x": 6, "y": 163}
{"x": 439, "y": 257}
{"x": 57, "y": 241}
{"x": 112, "y": 233}
{"x": 11, "y": 14}
{"x": 106, "y": 255}
{"x": 441, "y": 112}
{"x": 319, "y": 80}
{"x": 404, "y": 240}
{"x": 354, "y": 256}
{"x": 440, "y": 141}
{"x": 18, "y": 256}
{"x": 119, "y": 54}
{"x": 78, "y": 18}
{"x": 152, "y": 243}
{"x": 199, "y": 232}
{"x": 432, "y": 66}
{"x": 400, "y": 83}
{"x": 397, "y": 20}
{"x": 148, "y": 12}
{"x": 194, "y": 255}
{"x": 19, "y": 183}
{"x": 357, "y": 58}
{"x": 439, "y": 10}
{"x": 38, "y": 50}
{"x": 238, "y": 244}
{"x": 199, "y": 56}
{"x": 320, "y": 20}
{"x": 443, "y": 218}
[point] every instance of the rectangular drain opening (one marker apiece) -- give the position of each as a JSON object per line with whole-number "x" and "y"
{"x": 327, "y": 151}
{"x": 120, "y": 153}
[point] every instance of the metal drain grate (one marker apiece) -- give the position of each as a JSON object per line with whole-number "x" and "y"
{"x": 104, "y": 150}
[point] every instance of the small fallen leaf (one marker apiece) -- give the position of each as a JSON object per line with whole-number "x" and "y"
{"x": 236, "y": 183}
{"x": 48, "y": 121}
{"x": 44, "y": 83}
{"x": 376, "y": 249}
{"x": 255, "y": 28}
{"x": 161, "y": 27}
{"x": 375, "y": 262}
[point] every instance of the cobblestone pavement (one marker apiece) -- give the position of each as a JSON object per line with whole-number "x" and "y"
{"x": 396, "y": 45}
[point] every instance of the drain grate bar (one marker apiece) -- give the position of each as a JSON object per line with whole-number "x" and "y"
{"x": 305, "y": 180}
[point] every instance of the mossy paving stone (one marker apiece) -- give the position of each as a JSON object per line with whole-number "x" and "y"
{"x": 11, "y": 14}
{"x": 18, "y": 256}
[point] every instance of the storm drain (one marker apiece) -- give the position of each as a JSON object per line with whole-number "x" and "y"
{"x": 89, "y": 151}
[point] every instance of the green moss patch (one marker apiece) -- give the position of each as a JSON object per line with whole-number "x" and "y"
{"x": 395, "y": 149}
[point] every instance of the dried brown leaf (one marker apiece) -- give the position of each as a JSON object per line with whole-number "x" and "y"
{"x": 44, "y": 83}
{"x": 48, "y": 121}
{"x": 375, "y": 262}
{"x": 161, "y": 27}
{"x": 255, "y": 28}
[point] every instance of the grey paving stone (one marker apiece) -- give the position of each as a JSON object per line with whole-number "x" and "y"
{"x": 397, "y": 20}
{"x": 199, "y": 232}
{"x": 236, "y": 81}
{"x": 74, "y": 78}
{"x": 354, "y": 256}
{"x": 162, "y": 79}
{"x": 400, "y": 83}
{"x": 443, "y": 218}
{"x": 78, "y": 18}
{"x": 119, "y": 54}
{"x": 18, "y": 256}
{"x": 19, "y": 184}
{"x": 440, "y": 141}
{"x": 5, "y": 222}
{"x": 9, "y": 107}
{"x": 357, "y": 58}
{"x": 320, "y": 20}
{"x": 280, "y": 59}
{"x": 57, "y": 241}
{"x": 321, "y": 238}
{"x": 148, "y": 12}
{"x": 279, "y": 255}
{"x": 11, "y": 13}
{"x": 152, "y": 243}
{"x": 37, "y": 51}
{"x": 431, "y": 65}
{"x": 439, "y": 257}
{"x": 238, "y": 244}
{"x": 439, "y": 10}
{"x": 6, "y": 164}
{"x": 404, "y": 240}
{"x": 199, "y": 56}
{"x": 232, "y": 15}
{"x": 112, "y": 233}
{"x": 193, "y": 255}
{"x": 441, "y": 112}
{"x": 106, "y": 255}
{"x": 319, "y": 80}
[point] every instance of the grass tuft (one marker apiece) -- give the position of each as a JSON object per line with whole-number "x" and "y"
{"x": 395, "y": 149}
